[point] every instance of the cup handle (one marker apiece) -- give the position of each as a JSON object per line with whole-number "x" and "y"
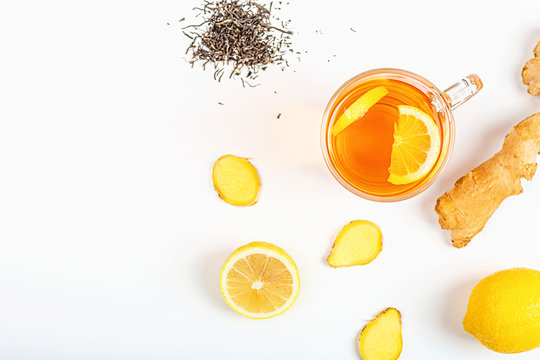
{"x": 463, "y": 90}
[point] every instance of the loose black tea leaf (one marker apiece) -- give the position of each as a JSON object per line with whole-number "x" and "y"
{"x": 238, "y": 36}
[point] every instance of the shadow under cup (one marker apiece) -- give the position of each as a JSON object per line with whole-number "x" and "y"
{"x": 437, "y": 101}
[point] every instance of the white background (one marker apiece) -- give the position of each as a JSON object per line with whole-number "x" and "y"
{"x": 112, "y": 238}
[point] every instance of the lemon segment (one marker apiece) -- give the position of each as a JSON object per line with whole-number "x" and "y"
{"x": 259, "y": 280}
{"x": 359, "y": 108}
{"x": 416, "y": 146}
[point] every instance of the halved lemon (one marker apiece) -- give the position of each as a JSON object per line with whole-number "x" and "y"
{"x": 359, "y": 108}
{"x": 416, "y": 147}
{"x": 259, "y": 280}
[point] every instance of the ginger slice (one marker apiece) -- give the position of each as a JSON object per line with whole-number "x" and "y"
{"x": 236, "y": 180}
{"x": 465, "y": 209}
{"x": 358, "y": 243}
{"x": 381, "y": 339}
{"x": 531, "y": 72}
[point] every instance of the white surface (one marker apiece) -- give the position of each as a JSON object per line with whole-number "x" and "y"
{"x": 112, "y": 238}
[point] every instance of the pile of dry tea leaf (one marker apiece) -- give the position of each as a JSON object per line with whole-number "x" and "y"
{"x": 238, "y": 38}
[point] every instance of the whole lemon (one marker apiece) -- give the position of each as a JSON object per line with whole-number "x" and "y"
{"x": 504, "y": 311}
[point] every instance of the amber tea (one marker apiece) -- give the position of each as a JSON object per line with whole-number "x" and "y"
{"x": 363, "y": 150}
{"x": 387, "y": 134}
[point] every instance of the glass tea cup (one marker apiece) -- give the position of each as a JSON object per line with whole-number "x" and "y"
{"x": 359, "y": 157}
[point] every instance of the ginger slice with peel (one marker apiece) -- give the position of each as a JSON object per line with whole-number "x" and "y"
{"x": 358, "y": 243}
{"x": 531, "y": 72}
{"x": 236, "y": 180}
{"x": 381, "y": 339}
{"x": 465, "y": 209}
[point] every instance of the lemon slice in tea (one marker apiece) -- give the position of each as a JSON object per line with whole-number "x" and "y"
{"x": 416, "y": 147}
{"x": 359, "y": 108}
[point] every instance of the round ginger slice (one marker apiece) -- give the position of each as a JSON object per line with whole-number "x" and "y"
{"x": 381, "y": 339}
{"x": 358, "y": 243}
{"x": 236, "y": 180}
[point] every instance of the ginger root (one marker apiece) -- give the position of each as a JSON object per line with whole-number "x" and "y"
{"x": 381, "y": 339}
{"x": 358, "y": 243}
{"x": 531, "y": 72}
{"x": 465, "y": 209}
{"x": 236, "y": 180}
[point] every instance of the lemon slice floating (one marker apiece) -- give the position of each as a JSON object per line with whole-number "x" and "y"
{"x": 259, "y": 280}
{"x": 359, "y": 108}
{"x": 416, "y": 147}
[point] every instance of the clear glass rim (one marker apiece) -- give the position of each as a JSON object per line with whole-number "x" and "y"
{"x": 326, "y": 139}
